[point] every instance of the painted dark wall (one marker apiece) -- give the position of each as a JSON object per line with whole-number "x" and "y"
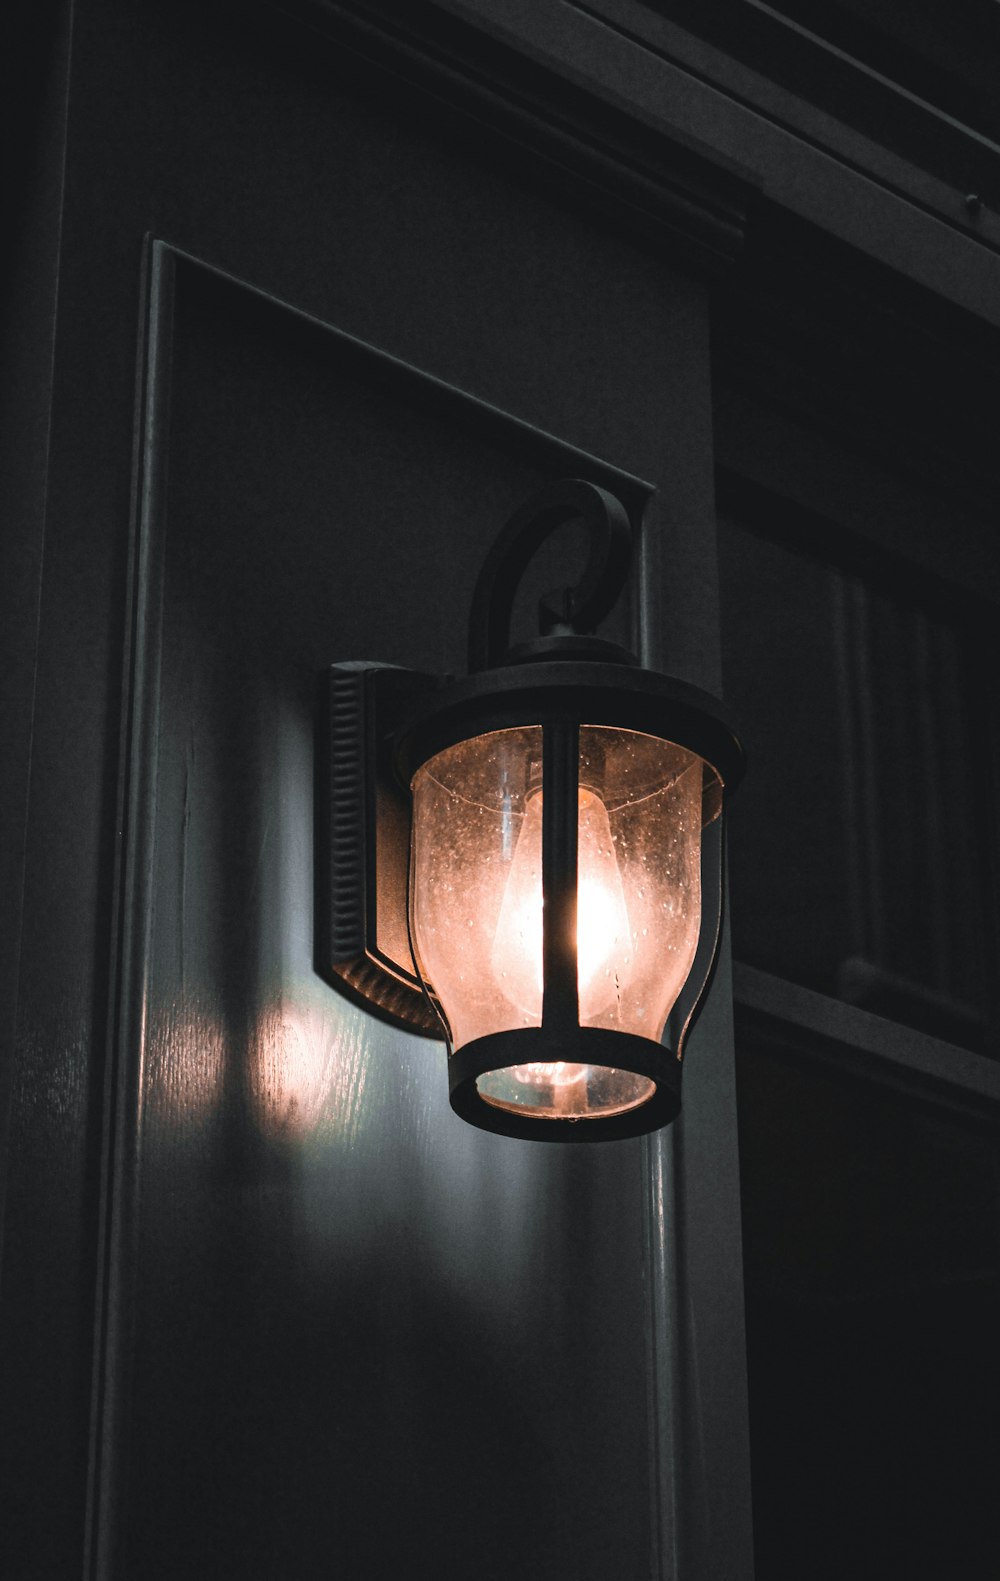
{"x": 266, "y": 1307}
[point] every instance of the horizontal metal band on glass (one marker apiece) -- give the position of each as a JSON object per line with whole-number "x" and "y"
{"x": 586, "y": 1045}
{"x": 616, "y": 695}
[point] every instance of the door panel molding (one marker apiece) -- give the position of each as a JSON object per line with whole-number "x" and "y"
{"x": 572, "y": 133}
{"x": 810, "y": 1025}
{"x": 166, "y": 267}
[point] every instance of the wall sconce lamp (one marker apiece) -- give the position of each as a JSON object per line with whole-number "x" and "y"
{"x": 528, "y": 862}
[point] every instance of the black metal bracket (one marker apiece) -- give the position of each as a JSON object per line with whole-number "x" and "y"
{"x": 363, "y": 842}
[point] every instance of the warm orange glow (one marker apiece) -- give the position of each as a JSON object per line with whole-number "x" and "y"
{"x": 306, "y": 1071}
{"x": 603, "y": 951}
{"x": 477, "y": 898}
{"x": 556, "y": 1073}
{"x": 604, "y": 958}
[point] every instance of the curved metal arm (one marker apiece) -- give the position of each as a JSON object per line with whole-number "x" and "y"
{"x": 586, "y": 604}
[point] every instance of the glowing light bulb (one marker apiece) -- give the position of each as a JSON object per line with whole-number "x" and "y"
{"x": 555, "y": 1073}
{"x": 604, "y": 952}
{"x": 477, "y": 905}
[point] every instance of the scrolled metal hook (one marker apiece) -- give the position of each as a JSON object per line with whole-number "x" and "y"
{"x": 581, "y": 607}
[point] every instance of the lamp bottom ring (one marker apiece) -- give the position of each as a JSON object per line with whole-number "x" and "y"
{"x": 584, "y": 1084}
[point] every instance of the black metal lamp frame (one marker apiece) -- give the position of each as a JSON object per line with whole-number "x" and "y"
{"x": 382, "y": 725}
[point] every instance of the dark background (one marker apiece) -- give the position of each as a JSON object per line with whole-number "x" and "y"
{"x": 267, "y": 1308}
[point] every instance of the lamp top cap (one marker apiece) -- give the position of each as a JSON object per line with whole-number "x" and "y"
{"x": 568, "y": 646}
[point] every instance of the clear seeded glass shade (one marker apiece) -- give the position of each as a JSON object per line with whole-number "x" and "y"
{"x": 477, "y": 898}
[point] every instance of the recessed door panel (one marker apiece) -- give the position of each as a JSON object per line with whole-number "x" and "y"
{"x": 361, "y": 1328}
